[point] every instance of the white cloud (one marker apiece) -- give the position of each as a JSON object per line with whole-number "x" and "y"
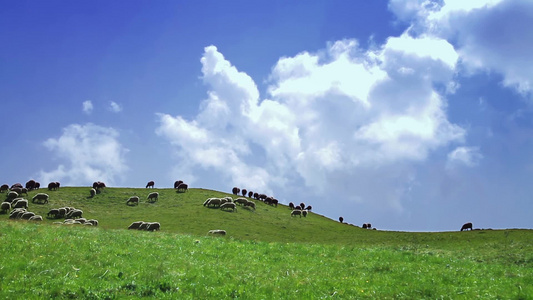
{"x": 489, "y": 35}
{"x": 331, "y": 115}
{"x": 115, "y": 107}
{"x": 87, "y": 107}
{"x": 467, "y": 156}
{"x": 87, "y": 153}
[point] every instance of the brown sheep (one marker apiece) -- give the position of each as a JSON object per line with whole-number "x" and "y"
{"x": 40, "y": 197}
{"x": 177, "y": 183}
{"x": 133, "y": 200}
{"x": 244, "y": 192}
{"x": 250, "y": 194}
{"x": 153, "y": 197}
{"x": 235, "y": 190}
{"x": 4, "y": 188}
{"x": 5, "y": 207}
{"x": 182, "y": 187}
{"x": 150, "y": 184}
{"x": 30, "y": 185}
{"x": 341, "y": 219}
{"x": 52, "y": 186}
{"x": 135, "y": 225}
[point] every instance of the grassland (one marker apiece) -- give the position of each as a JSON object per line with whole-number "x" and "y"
{"x": 266, "y": 255}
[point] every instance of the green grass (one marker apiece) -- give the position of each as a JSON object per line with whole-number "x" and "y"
{"x": 266, "y": 255}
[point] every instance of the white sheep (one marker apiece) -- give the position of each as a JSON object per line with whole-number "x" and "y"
{"x": 26, "y": 216}
{"x": 93, "y": 192}
{"x": 75, "y": 213}
{"x": 40, "y": 196}
{"x": 12, "y": 195}
{"x": 36, "y": 218}
{"x": 214, "y": 202}
{"x": 133, "y": 200}
{"x": 250, "y": 204}
{"x": 241, "y": 201}
{"x": 20, "y": 203}
{"x": 93, "y": 222}
{"x": 217, "y": 232}
{"x": 228, "y": 205}
{"x": 152, "y": 196}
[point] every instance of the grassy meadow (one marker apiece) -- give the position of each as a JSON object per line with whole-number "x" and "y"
{"x": 267, "y": 254}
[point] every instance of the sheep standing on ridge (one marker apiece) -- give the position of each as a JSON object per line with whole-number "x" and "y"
{"x": 341, "y": 219}
{"x": 150, "y": 184}
{"x": 153, "y": 197}
{"x": 182, "y": 187}
{"x": 235, "y": 190}
{"x": 466, "y": 226}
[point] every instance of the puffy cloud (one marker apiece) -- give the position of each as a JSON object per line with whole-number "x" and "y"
{"x": 489, "y": 35}
{"x": 332, "y": 115}
{"x": 467, "y": 156}
{"x": 87, "y": 107}
{"x": 115, "y": 107}
{"x": 87, "y": 153}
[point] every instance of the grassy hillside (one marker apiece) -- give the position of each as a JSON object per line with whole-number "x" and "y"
{"x": 267, "y": 254}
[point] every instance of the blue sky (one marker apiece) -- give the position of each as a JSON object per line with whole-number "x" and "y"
{"x": 410, "y": 115}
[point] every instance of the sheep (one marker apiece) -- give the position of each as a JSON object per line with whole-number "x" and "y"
{"x": 250, "y": 204}
{"x": 217, "y": 232}
{"x": 341, "y": 219}
{"x": 304, "y": 213}
{"x": 24, "y": 191}
{"x": 244, "y": 192}
{"x": 250, "y": 194}
{"x": 133, "y": 200}
{"x": 82, "y": 220}
{"x": 26, "y": 215}
{"x": 30, "y": 185}
{"x": 228, "y": 205}
{"x": 12, "y": 195}
{"x": 5, "y": 206}
{"x": 62, "y": 212}
{"x": 466, "y": 226}
{"x": 309, "y": 208}
{"x": 40, "y": 196}
{"x": 152, "y": 196}
{"x": 93, "y": 222}
{"x": 153, "y": 226}
{"x": 92, "y": 192}
{"x": 302, "y": 206}
{"x": 214, "y": 202}
{"x": 177, "y": 183}
{"x": 98, "y": 185}
{"x": 367, "y": 226}
{"x": 135, "y": 225}
{"x": 241, "y": 201}
{"x": 291, "y": 205}
{"x": 296, "y": 212}
{"x": 235, "y": 190}
{"x": 16, "y": 189}
{"x": 256, "y": 196}
{"x": 75, "y": 213}
{"x": 54, "y": 212}
{"x": 52, "y": 186}
{"x": 4, "y": 188}
{"x": 21, "y": 203}
{"x": 143, "y": 226}
{"x": 150, "y": 184}
{"x": 182, "y": 187}
{"x": 36, "y": 218}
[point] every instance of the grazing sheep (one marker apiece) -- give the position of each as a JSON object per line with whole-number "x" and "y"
{"x": 296, "y": 212}
{"x": 40, "y": 197}
{"x": 153, "y": 226}
{"x": 4, "y": 188}
{"x": 466, "y": 226}
{"x": 12, "y": 195}
{"x": 244, "y": 192}
{"x": 36, "y": 218}
{"x": 250, "y": 194}
{"x": 98, "y": 185}
{"x": 143, "y": 225}
{"x": 302, "y": 206}
{"x": 82, "y": 220}
{"x": 250, "y": 204}
{"x": 62, "y": 212}
{"x": 235, "y": 190}
{"x": 37, "y": 185}
{"x": 341, "y": 219}
{"x": 27, "y": 215}
{"x": 228, "y": 205}
{"x": 93, "y": 222}
{"x": 52, "y": 186}
{"x": 262, "y": 197}
{"x": 150, "y": 184}
{"x": 291, "y": 205}
{"x": 135, "y": 225}
{"x": 30, "y": 185}
{"x": 256, "y": 196}
{"x": 92, "y": 192}
{"x": 309, "y": 208}
{"x": 214, "y": 202}
{"x": 152, "y": 197}
{"x": 304, "y": 213}
{"x": 20, "y": 203}
{"x": 5, "y": 207}
{"x": 241, "y": 201}
{"x": 177, "y": 183}
{"x": 54, "y": 212}
{"x": 16, "y": 189}
{"x": 75, "y": 213}
{"x": 217, "y": 232}
{"x": 183, "y": 187}
{"x": 133, "y": 200}
{"x": 24, "y": 191}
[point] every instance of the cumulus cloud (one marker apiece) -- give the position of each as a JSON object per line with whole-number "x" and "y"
{"x": 466, "y": 156}
{"x": 336, "y": 114}
{"x": 489, "y": 35}
{"x": 87, "y": 153}
{"x": 87, "y": 107}
{"x": 115, "y": 107}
